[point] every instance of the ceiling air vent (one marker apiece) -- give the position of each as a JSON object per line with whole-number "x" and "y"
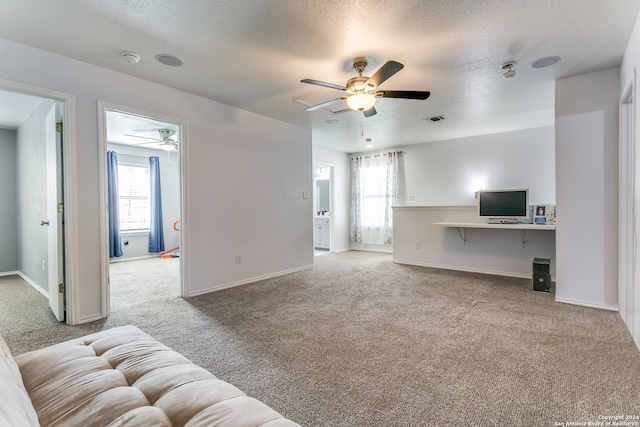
{"x": 436, "y": 118}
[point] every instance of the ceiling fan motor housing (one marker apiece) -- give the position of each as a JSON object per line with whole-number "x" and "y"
{"x": 166, "y": 133}
{"x": 359, "y": 85}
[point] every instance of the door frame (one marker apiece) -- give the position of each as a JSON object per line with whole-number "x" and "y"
{"x": 103, "y": 106}
{"x": 331, "y": 201}
{"x": 628, "y": 255}
{"x": 69, "y": 176}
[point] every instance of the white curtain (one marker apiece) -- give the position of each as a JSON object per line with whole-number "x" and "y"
{"x": 374, "y": 190}
{"x": 356, "y": 200}
{"x": 392, "y": 194}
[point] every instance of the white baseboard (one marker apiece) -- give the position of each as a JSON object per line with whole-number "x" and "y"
{"x": 93, "y": 318}
{"x": 468, "y": 270}
{"x": 133, "y": 258}
{"x": 340, "y": 250}
{"x": 33, "y": 284}
{"x": 587, "y": 304}
{"x": 9, "y": 273}
{"x": 247, "y": 281}
{"x": 372, "y": 248}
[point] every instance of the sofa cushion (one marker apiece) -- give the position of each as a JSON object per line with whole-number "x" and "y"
{"x": 15, "y": 405}
{"x": 122, "y": 376}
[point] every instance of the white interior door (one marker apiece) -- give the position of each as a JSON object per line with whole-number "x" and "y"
{"x": 54, "y": 220}
{"x": 629, "y": 216}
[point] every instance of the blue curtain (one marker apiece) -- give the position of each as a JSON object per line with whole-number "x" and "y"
{"x": 156, "y": 234}
{"x": 115, "y": 244}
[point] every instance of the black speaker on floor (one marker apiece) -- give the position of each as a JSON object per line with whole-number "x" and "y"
{"x": 541, "y": 274}
{"x": 541, "y": 282}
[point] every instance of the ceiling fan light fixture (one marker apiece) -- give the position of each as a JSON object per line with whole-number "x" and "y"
{"x": 168, "y": 146}
{"x": 361, "y": 101}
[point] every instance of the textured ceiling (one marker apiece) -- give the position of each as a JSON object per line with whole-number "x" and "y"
{"x": 252, "y": 55}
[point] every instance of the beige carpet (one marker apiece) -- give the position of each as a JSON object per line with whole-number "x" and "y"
{"x": 361, "y": 341}
{"x": 140, "y": 281}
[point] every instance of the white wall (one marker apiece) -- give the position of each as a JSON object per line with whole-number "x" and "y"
{"x": 341, "y": 194}
{"x": 138, "y": 243}
{"x": 245, "y": 176}
{"x": 587, "y": 189}
{"x": 447, "y": 173}
{"x": 8, "y": 207}
{"x": 630, "y": 293}
{"x": 441, "y": 178}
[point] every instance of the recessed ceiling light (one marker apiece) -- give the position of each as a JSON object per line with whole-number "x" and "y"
{"x": 545, "y": 62}
{"x": 169, "y": 60}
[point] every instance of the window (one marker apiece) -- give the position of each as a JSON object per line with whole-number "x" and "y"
{"x": 374, "y": 190}
{"x": 134, "y": 192}
{"x": 373, "y": 183}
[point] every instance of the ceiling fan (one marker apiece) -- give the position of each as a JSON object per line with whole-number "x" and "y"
{"x": 166, "y": 143}
{"x": 362, "y": 91}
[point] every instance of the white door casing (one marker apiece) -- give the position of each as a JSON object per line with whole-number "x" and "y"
{"x": 104, "y": 215}
{"x": 67, "y": 260}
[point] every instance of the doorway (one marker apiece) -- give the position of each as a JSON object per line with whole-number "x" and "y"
{"x": 34, "y": 146}
{"x": 322, "y": 208}
{"x": 143, "y": 176}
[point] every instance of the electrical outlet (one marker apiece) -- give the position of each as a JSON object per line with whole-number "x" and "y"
{"x": 411, "y": 197}
{"x": 418, "y": 245}
{"x": 238, "y": 259}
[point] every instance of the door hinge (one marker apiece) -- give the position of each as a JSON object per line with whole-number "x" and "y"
{"x": 61, "y": 288}
{"x": 59, "y": 126}
{"x": 61, "y": 208}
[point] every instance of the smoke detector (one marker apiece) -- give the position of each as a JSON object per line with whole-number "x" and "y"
{"x": 508, "y": 67}
{"x": 131, "y": 57}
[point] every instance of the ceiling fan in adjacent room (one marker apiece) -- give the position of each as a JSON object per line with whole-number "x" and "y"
{"x": 165, "y": 140}
{"x": 362, "y": 90}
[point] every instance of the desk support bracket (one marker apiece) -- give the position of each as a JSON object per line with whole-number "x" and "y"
{"x": 462, "y": 231}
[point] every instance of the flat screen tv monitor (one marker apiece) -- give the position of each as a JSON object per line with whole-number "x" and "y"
{"x": 503, "y": 205}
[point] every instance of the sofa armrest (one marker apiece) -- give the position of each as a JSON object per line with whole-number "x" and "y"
{"x": 15, "y": 406}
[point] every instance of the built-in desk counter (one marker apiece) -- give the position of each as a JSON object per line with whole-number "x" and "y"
{"x": 453, "y": 237}
{"x": 462, "y": 226}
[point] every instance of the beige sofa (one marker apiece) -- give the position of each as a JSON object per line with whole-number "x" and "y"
{"x": 120, "y": 377}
